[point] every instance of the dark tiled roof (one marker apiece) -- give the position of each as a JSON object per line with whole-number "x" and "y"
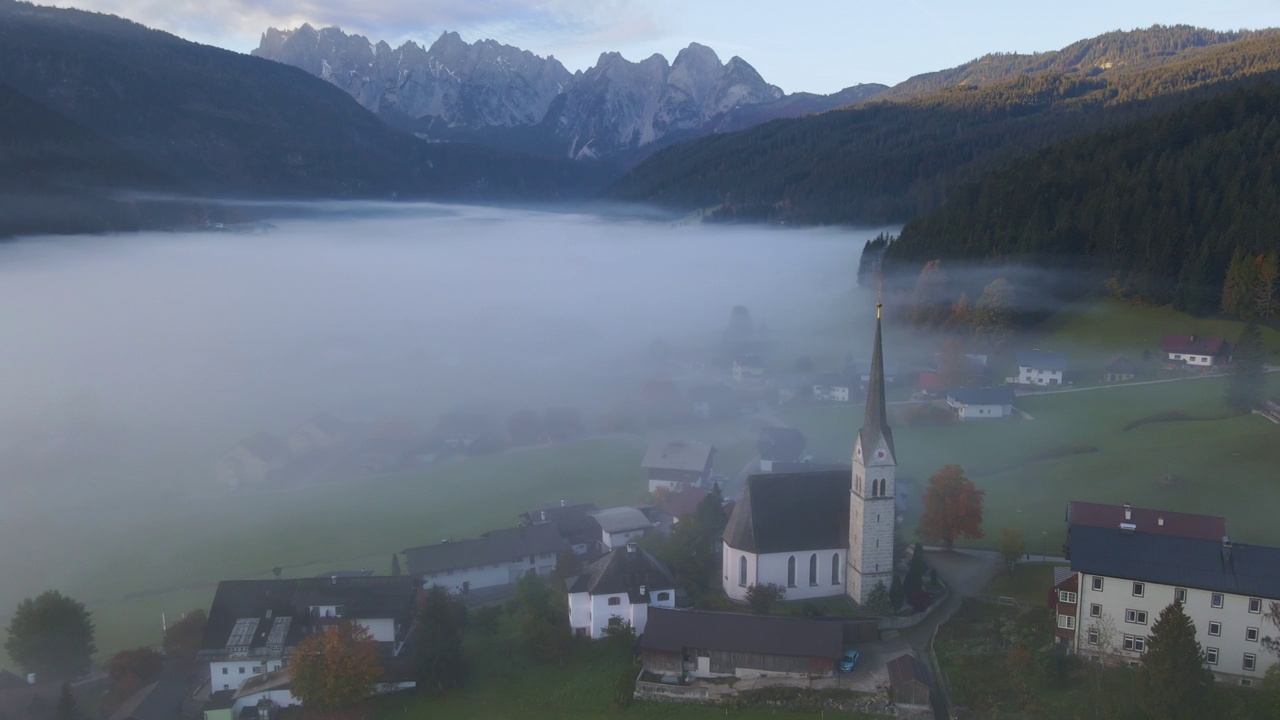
{"x": 1180, "y": 561}
{"x": 30, "y": 702}
{"x": 9, "y": 681}
{"x": 161, "y": 700}
{"x": 363, "y": 597}
{"x": 568, "y": 519}
{"x": 624, "y": 570}
{"x": 981, "y": 396}
{"x": 496, "y": 546}
{"x": 674, "y": 630}
{"x": 1195, "y": 345}
{"x": 786, "y": 512}
{"x": 781, "y": 443}
{"x": 876, "y": 422}
{"x": 809, "y": 467}
{"x": 678, "y": 455}
{"x": 1159, "y": 522}
{"x": 1039, "y": 360}
{"x": 684, "y": 502}
{"x": 907, "y": 668}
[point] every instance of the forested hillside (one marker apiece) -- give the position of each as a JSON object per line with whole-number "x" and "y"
{"x": 891, "y": 161}
{"x": 1160, "y": 206}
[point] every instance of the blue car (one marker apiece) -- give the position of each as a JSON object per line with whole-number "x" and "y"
{"x": 849, "y": 661}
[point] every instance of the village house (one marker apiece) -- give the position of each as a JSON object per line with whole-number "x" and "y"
{"x": 1196, "y": 350}
{"x": 577, "y": 528}
{"x": 981, "y": 403}
{"x": 835, "y": 387}
{"x": 1125, "y": 575}
{"x": 620, "y": 525}
{"x": 679, "y": 504}
{"x": 624, "y": 584}
{"x": 678, "y": 464}
{"x": 254, "y": 625}
{"x": 1040, "y": 368}
{"x": 252, "y": 461}
{"x": 910, "y": 686}
{"x": 497, "y": 558}
{"x": 711, "y": 644}
{"x": 1119, "y": 369}
{"x": 780, "y": 444}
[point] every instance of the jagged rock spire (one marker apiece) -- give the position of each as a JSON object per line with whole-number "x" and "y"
{"x": 876, "y": 422}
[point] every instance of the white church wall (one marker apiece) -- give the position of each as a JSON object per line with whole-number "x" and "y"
{"x": 773, "y": 569}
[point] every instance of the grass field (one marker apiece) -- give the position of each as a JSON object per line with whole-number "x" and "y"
{"x": 1027, "y": 583}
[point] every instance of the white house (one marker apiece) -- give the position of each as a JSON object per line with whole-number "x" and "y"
{"x": 1198, "y": 350}
{"x": 499, "y": 557}
{"x": 789, "y": 529}
{"x": 1126, "y": 577}
{"x": 1040, "y": 368}
{"x": 621, "y": 525}
{"x": 981, "y": 403}
{"x": 835, "y": 387}
{"x": 622, "y": 585}
{"x": 678, "y": 464}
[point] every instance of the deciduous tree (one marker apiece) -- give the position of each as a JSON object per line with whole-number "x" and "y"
{"x": 879, "y": 600}
{"x": 991, "y": 318}
{"x": 1012, "y": 547}
{"x": 1173, "y": 679}
{"x": 51, "y": 635}
{"x": 954, "y": 369}
{"x": 952, "y": 508}
{"x": 182, "y": 639}
{"x": 437, "y": 641}
{"x": 333, "y": 669}
{"x": 129, "y": 671}
{"x": 763, "y": 597}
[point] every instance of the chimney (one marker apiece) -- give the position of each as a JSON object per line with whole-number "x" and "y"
{"x": 1128, "y": 512}
{"x": 1226, "y": 550}
{"x": 642, "y": 589}
{"x": 31, "y": 678}
{"x": 563, "y": 503}
{"x": 333, "y": 579}
{"x": 543, "y": 515}
{"x": 1127, "y": 528}
{"x": 1160, "y": 521}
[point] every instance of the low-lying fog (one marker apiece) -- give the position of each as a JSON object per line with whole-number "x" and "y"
{"x": 131, "y": 364}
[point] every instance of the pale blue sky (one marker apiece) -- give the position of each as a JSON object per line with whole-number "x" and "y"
{"x": 812, "y": 45}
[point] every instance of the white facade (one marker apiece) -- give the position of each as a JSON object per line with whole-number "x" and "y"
{"x": 872, "y": 514}
{"x": 669, "y": 485}
{"x": 231, "y": 674}
{"x": 1201, "y": 360}
{"x": 620, "y": 539}
{"x": 838, "y": 393}
{"x": 805, "y": 574}
{"x": 1229, "y": 627}
{"x": 1033, "y": 376}
{"x": 590, "y": 614}
{"x": 980, "y": 412}
{"x": 491, "y": 575}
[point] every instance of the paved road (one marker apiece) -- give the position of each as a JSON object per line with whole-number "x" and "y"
{"x": 965, "y": 572}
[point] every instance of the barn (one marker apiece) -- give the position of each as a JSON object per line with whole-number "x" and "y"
{"x": 710, "y": 644}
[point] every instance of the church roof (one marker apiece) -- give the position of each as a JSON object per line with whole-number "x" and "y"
{"x": 788, "y": 512}
{"x": 876, "y": 422}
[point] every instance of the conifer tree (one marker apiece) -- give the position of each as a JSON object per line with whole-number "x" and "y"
{"x": 1173, "y": 679}
{"x": 1246, "y": 383}
{"x": 1266, "y": 269}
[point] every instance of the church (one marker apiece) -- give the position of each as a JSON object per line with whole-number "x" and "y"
{"x": 822, "y": 533}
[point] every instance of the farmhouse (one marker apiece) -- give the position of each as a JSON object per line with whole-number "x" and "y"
{"x": 779, "y": 444}
{"x": 620, "y": 525}
{"x": 1126, "y": 576}
{"x": 499, "y": 557}
{"x": 255, "y": 624}
{"x": 574, "y": 523}
{"x": 909, "y": 684}
{"x": 708, "y": 644}
{"x": 1040, "y": 368}
{"x": 1197, "y": 350}
{"x": 836, "y": 387}
{"x": 625, "y": 584}
{"x": 1159, "y": 522}
{"x": 1119, "y": 369}
{"x": 677, "y": 464}
{"x": 253, "y": 460}
{"x": 981, "y": 403}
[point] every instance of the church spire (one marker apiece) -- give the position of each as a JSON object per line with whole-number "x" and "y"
{"x": 876, "y": 422}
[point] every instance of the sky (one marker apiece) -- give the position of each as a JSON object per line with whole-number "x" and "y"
{"x": 800, "y": 45}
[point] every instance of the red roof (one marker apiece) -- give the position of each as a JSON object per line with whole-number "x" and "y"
{"x": 1156, "y": 522}
{"x": 684, "y": 502}
{"x": 1194, "y": 344}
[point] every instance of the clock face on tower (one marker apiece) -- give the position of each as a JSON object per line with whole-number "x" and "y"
{"x": 880, "y": 453}
{"x": 858, "y": 451}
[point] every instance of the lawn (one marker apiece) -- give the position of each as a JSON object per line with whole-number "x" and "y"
{"x": 1027, "y": 583}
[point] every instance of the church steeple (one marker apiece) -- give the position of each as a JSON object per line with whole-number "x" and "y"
{"x": 875, "y": 424}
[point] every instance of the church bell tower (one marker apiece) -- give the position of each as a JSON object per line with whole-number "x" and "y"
{"x": 871, "y": 494}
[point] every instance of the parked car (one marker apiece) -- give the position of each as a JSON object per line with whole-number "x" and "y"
{"x": 849, "y": 661}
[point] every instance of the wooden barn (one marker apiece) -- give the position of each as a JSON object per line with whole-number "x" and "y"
{"x": 909, "y": 682}
{"x": 709, "y": 644}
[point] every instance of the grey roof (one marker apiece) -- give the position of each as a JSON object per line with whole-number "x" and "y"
{"x": 981, "y": 396}
{"x": 790, "y": 512}
{"x": 30, "y": 702}
{"x": 678, "y": 455}
{"x": 1061, "y": 573}
{"x": 573, "y": 522}
{"x": 674, "y": 630}
{"x": 876, "y": 421}
{"x": 621, "y": 519}
{"x": 9, "y": 681}
{"x": 496, "y": 546}
{"x": 781, "y": 443}
{"x": 161, "y": 700}
{"x": 806, "y": 467}
{"x": 1040, "y": 360}
{"x": 624, "y": 570}
{"x": 1180, "y": 561}
{"x": 274, "y": 680}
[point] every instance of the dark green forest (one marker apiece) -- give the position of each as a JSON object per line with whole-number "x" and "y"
{"x": 890, "y": 161}
{"x": 1162, "y": 207}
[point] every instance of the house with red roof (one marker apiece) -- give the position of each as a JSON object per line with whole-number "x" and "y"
{"x": 1197, "y": 350}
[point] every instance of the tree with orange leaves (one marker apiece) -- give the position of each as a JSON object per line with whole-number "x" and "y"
{"x": 334, "y": 668}
{"x": 952, "y": 508}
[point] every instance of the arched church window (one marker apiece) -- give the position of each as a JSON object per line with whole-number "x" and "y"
{"x": 813, "y": 569}
{"x": 835, "y": 569}
{"x": 791, "y": 571}
{"x": 742, "y": 571}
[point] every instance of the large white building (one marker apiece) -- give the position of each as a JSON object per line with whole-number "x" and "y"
{"x": 623, "y": 584}
{"x": 1124, "y": 576}
{"x": 499, "y": 557}
{"x": 1040, "y": 368}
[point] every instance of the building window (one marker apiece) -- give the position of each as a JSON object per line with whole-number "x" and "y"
{"x": 1095, "y": 610}
{"x": 1067, "y": 596}
{"x": 1139, "y": 589}
{"x": 241, "y": 669}
{"x": 1138, "y": 617}
{"x": 1135, "y": 643}
{"x": 1097, "y": 584}
{"x": 813, "y": 569}
{"x": 742, "y": 571}
{"x": 1211, "y": 655}
{"x": 1215, "y": 628}
{"x": 1251, "y": 634}
{"x": 1180, "y": 595}
{"x": 1250, "y": 661}
{"x": 1215, "y": 600}
{"x": 1067, "y": 622}
{"x": 615, "y": 601}
{"x": 835, "y": 569}
{"x": 1094, "y": 636}
{"x": 791, "y": 571}
{"x": 1255, "y": 605}
{"x": 224, "y": 671}
{"x": 664, "y": 596}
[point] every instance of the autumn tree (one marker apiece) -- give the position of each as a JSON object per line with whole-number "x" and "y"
{"x": 763, "y": 597}
{"x": 952, "y": 508}
{"x": 1266, "y": 270}
{"x": 991, "y": 317}
{"x": 954, "y": 369}
{"x": 182, "y": 639}
{"x": 1246, "y": 382}
{"x": 1173, "y": 679}
{"x": 1012, "y": 546}
{"x": 929, "y": 305}
{"x": 437, "y": 641}
{"x": 129, "y": 671}
{"x": 51, "y": 636}
{"x": 333, "y": 669}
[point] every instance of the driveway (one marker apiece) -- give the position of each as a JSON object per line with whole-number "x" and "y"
{"x": 965, "y": 573}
